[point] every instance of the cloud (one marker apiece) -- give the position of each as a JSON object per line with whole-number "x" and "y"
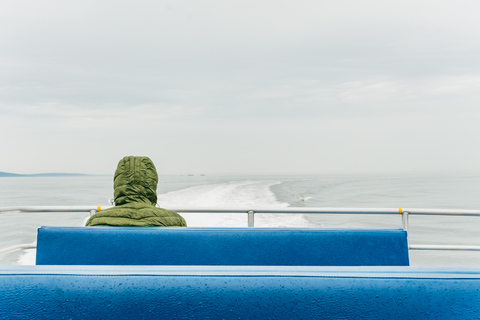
{"x": 249, "y": 86}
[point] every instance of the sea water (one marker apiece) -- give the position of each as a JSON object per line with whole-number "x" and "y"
{"x": 441, "y": 191}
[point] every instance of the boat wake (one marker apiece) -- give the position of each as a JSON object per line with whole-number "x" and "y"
{"x": 235, "y": 194}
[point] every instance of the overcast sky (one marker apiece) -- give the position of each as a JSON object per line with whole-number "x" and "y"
{"x": 240, "y": 87}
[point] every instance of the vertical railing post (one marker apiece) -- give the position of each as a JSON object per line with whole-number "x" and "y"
{"x": 251, "y": 219}
{"x": 405, "y": 225}
{"x": 405, "y": 220}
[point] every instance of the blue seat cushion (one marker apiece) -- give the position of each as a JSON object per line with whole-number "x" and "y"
{"x": 192, "y": 292}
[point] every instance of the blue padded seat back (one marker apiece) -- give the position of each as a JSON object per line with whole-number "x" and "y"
{"x": 220, "y": 246}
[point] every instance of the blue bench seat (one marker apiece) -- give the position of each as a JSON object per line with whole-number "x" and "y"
{"x": 226, "y": 292}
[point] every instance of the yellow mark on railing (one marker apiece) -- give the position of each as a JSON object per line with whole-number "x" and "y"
{"x": 400, "y": 211}
{"x": 99, "y": 208}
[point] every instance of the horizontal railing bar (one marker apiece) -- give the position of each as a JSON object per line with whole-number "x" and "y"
{"x": 411, "y": 247}
{"x": 49, "y": 209}
{"x": 278, "y": 210}
{"x": 289, "y": 210}
{"x": 444, "y": 247}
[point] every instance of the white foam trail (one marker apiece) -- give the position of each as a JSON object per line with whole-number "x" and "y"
{"x": 28, "y": 257}
{"x": 235, "y": 194}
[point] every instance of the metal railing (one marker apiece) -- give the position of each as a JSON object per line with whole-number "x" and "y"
{"x": 403, "y": 212}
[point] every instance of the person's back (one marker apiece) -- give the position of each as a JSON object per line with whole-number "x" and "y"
{"x": 135, "y": 195}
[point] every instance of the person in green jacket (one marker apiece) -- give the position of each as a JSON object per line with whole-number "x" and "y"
{"x": 135, "y": 194}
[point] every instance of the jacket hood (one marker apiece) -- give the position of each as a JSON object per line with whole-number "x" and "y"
{"x": 135, "y": 180}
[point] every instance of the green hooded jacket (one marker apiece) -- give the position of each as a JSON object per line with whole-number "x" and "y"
{"x": 135, "y": 193}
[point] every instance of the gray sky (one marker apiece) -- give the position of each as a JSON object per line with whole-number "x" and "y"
{"x": 236, "y": 87}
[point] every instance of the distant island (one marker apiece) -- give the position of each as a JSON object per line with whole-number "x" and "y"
{"x": 13, "y": 175}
